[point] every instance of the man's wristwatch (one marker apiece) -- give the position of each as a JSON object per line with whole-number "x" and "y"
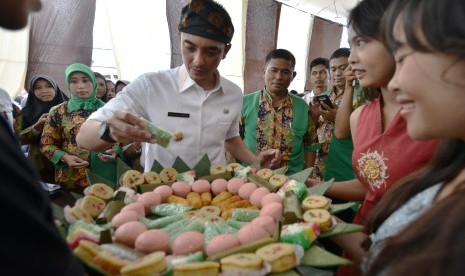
{"x": 104, "y": 133}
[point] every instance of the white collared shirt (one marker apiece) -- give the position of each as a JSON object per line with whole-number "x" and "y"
{"x": 309, "y": 97}
{"x": 213, "y": 116}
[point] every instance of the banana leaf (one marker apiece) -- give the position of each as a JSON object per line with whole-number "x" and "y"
{"x": 210, "y": 178}
{"x": 260, "y": 181}
{"x": 320, "y": 189}
{"x": 202, "y": 168}
{"x": 337, "y": 208}
{"x": 95, "y": 178}
{"x": 308, "y": 270}
{"x": 316, "y": 256}
{"x": 342, "y": 228}
{"x": 302, "y": 175}
{"x": 281, "y": 170}
{"x": 156, "y": 167}
{"x": 180, "y": 166}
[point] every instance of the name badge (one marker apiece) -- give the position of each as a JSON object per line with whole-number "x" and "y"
{"x": 177, "y": 114}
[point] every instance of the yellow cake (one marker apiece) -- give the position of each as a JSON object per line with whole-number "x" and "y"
{"x": 208, "y": 211}
{"x": 146, "y": 266}
{"x": 168, "y": 175}
{"x": 319, "y": 216}
{"x": 233, "y": 167}
{"x": 110, "y": 262}
{"x": 92, "y": 205}
{"x": 197, "y": 269}
{"x": 265, "y": 173}
{"x": 248, "y": 261}
{"x": 281, "y": 256}
{"x": 152, "y": 177}
{"x": 132, "y": 178}
{"x": 278, "y": 180}
{"x": 101, "y": 191}
{"x": 217, "y": 168}
{"x": 81, "y": 214}
{"x": 87, "y": 250}
{"x": 315, "y": 202}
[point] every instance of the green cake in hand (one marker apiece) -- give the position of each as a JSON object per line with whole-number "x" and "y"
{"x": 162, "y": 136}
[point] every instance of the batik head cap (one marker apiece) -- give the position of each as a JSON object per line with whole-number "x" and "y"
{"x": 208, "y": 19}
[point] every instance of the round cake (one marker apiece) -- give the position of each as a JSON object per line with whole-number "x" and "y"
{"x": 315, "y": 202}
{"x": 319, "y": 216}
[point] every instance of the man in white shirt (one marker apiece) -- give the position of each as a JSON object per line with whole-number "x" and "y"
{"x": 192, "y": 98}
{"x": 319, "y": 76}
{"x": 6, "y": 107}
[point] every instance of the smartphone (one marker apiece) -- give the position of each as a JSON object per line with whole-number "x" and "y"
{"x": 107, "y": 155}
{"x": 325, "y": 99}
{"x": 53, "y": 190}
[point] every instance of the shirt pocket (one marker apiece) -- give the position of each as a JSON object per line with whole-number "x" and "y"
{"x": 220, "y": 128}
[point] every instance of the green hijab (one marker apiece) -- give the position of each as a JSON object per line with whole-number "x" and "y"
{"x": 89, "y": 104}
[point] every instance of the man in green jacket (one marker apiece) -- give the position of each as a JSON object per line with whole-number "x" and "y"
{"x": 273, "y": 118}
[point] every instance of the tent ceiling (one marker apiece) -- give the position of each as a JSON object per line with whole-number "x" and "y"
{"x": 332, "y": 10}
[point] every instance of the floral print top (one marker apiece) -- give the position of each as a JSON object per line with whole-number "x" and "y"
{"x": 400, "y": 219}
{"x": 274, "y": 126}
{"x": 325, "y": 132}
{"x": 58, "y": 138}
{"x": 286, "y": 127}
{"x": 384, "y": 155}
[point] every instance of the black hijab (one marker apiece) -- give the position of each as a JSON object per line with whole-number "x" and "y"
{"x": 34, "y": 107}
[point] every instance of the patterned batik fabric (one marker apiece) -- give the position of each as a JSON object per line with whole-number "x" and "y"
{"x": 325, "y": 132}
{"x": 59, "y": 134}
{"x": 274, "y": 126}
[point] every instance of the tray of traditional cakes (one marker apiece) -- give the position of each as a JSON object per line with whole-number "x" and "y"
{"x": 182, "y": 223}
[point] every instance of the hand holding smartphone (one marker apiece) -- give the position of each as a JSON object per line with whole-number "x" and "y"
{"x": 107, "y": 155}
{"x": 324, "y": 99}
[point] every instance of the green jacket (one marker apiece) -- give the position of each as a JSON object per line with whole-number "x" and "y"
{"x": 300, "y": 128}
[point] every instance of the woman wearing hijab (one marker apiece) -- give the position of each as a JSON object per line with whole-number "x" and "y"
{"x": 120, "y": 84}
{"x": 58, "y": 141}
{"x": 43, "y": 95}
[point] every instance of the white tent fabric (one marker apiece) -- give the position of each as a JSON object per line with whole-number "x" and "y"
{"x": 137, "y": 31}
{"x": 139, "y": 34}
{"x": 134, "y": 37}
{"x": 300, "y": 42}
{"x": 13, "y": 59}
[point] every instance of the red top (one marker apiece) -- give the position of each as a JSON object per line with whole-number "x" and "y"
{"x": 381, "y": 159}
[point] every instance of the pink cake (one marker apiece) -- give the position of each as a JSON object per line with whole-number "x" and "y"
{"x": 218, "y": 186}
{"x": 128, "y": 232}
{"x": 164, "y": 191}
{"x": 181, "y": 188}
{"x": 221, "y": 243}
{"x": 187, "y": 243}
{"x": 152, "y": 240}
{"x": 246, "y": 190}
{"x": 201, "y": 186}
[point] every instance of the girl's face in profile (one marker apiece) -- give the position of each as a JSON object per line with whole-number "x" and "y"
{"x": 101, "y": 87}
{"x": 371, "y": 62}
{"x": 430, "y": 87}
{"x": 44, "y": 90}
{"x": 110, "y": 89}
{"x": 81, "y": 85}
